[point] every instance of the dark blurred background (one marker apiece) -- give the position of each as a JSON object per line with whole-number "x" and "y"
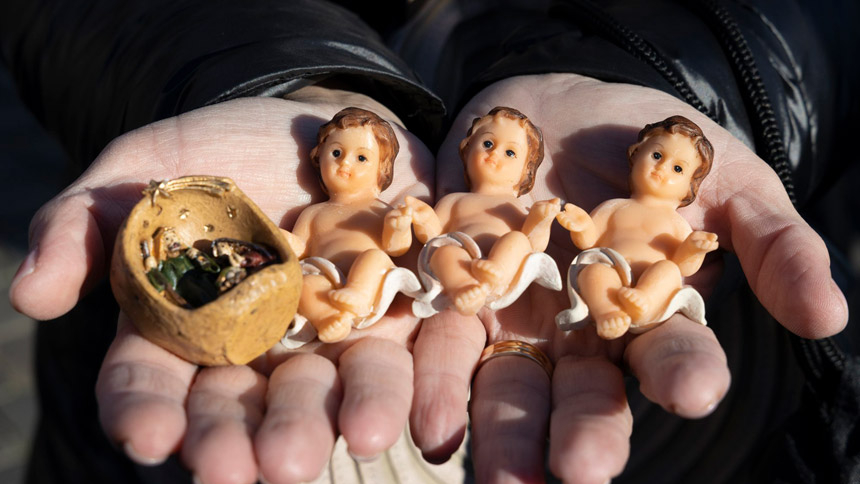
{"x": 33, "y": 171}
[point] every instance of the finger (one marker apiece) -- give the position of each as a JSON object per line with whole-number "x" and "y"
{"x": 141, "y": 391}
{"x": 785, "y": 261}
{"x": 377, "y": 395}
{"x": 225, "y": 407}
{"x": 66, "y": 256}
{"x": 591, "y": 422}
{"x": 445, "y": 353}
{"x": 412, "y": 203}
{"x": 510, "y": 411}
{"x": 680, "y": 366}
{"x": 299, "y": 430}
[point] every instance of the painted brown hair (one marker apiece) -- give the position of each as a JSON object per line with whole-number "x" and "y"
{"x": 355, "y": 118}
{"x": 534, "y": 138}
{"x": 680, "y": 124}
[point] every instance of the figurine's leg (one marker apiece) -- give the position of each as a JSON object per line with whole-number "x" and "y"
{"x": 363, "y": 283}
{"x": 598, "y": 285}
{"x": 505, "y": 259}
{"x": 452, "y": 266}
{"x": 331, "y": 323}
{"x": 653, "y": 290}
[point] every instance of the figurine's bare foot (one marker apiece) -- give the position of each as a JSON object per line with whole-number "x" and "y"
{"x": 469, "y": 300}
{"x": 488, "y": 272}
{"x": 612, "y": 325}
{"x": 351, "y": 300}
{"x": 335, "y": 328}
{"x": 634, "y": 301}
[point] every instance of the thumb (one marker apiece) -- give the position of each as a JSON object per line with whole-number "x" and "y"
{"x": 67, "y": 257}
{"x": 785, "y": 261}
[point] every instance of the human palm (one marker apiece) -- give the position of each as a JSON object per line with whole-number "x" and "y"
{"x": 587, "y": 127}
{"x": 279, "y": 416}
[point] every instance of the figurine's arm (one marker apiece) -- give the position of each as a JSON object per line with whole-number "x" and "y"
{"x": 297, "y": 245}
{"x": 691, "y": 252}
{"x": 583, "y": 231}
{"x": 425, "y": 221}
{"x": 397, "y": 231}
{"x": 539, "y": 222}
{"x": 298, "y": 238}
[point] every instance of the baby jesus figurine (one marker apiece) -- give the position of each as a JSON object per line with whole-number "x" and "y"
{"x": 354, "y": 159}
{"x": 641, "y": 248}
{"x": 501, "y": 154}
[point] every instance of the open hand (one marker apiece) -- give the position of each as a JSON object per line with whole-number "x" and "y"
{"x": 583, "y": 409}
{"x": 277, "y": 418}
{"x": 546, "y": 209}
{"x": 702, "y": 242}
{"x": 573, "y": 218}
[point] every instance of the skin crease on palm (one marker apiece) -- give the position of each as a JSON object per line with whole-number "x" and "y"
{"x": 279, "y": 420}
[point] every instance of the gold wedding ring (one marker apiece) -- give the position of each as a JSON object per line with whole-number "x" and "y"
{"x": 516, "y": 348}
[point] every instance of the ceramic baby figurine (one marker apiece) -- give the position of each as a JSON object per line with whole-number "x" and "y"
{"x": 354, "y": 158}
{"x": 501, "y": 154}
{"x": 637, "y": 250}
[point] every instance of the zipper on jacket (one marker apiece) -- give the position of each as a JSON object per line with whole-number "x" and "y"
{"x": 591, "y": 16}
{"x": 766, "y": 130}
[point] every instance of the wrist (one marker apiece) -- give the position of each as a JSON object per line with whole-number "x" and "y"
{"x": 339, "y": 98}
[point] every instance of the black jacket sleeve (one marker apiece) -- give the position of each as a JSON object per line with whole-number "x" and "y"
{"x": 92, "y": 70}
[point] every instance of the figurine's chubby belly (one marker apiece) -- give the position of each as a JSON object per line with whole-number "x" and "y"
{"x": 637, "y": 253}
{"x": 340, "y": 233}
{"x": 484, "y": 218}
{"x": 342, "y": 249}
{"x": 484, "y": 231}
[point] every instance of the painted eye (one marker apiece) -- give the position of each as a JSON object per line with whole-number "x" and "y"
{"x": 336, "y": 153}
{"x": 510, "y": 153}
{"x": 678, "y": 169}
{"x": 362, "y": 158}
{"x": 488, "y": 144}
{"x": 657, "y": 155}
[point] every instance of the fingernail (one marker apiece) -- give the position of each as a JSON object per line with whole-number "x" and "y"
{"x": 363, "y": 460}
{"x": 134, "y": 455}
{"x": 27, "y": 267}
{"x": 435, "y": 460}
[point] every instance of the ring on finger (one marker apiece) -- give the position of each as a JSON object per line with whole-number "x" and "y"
{"x": 516, "y": 348}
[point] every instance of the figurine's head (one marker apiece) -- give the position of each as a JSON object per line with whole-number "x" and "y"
{"x": 364, "y": 138}
{"x": 507, "y": 132}
{"x": 676, "y": 156}
{"x": 167, "y": 243}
